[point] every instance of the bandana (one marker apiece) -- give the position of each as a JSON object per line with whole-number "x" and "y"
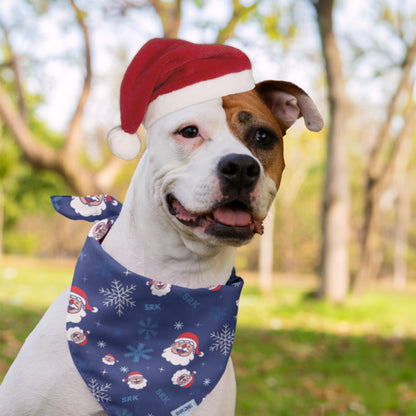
{"x": 143, "y": 346}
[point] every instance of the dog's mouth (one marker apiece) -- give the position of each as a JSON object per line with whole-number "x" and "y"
{"x": 232, "y": 220}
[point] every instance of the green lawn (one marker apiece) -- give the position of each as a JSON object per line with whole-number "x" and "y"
{"x": 293, "y": 356}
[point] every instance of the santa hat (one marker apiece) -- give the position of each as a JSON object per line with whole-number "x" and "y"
{"x": 85, "y": 339}
{"x": 193, "y": 339}
{"x": 80, "y": 295}
{"x": 167, "y": 75}
{"x": 132, "y": 374}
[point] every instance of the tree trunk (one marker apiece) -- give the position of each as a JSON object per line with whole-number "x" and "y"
{"x": 266, "y": 253}
{"x": 400, "y": 237}
{"x": 336, "y": 200}
{"x": 403, "y": 207}
{"x": 380, "y": 170}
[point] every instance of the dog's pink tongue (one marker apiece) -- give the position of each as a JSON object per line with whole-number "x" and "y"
{"x": 233, "y": 218}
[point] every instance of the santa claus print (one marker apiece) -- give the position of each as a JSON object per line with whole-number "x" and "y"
{"x": 77, "y": 335}
{"x": 159, "y": 288}
{"x": 100, "y": 229}
{"x": 183, "y": 349}
{"x": 135, "y": 380}
{"x": 109, "y": 359}
{"x": 183, "y": 378}
{"x": 91, "y": 205}
{"x": 78, "y": 305}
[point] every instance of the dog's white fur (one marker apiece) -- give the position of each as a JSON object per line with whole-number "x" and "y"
{"x": 148, "y": 240}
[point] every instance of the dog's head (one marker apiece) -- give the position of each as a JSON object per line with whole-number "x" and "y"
{"x": 216, "y": 166}
{"x": 214, "y": 155}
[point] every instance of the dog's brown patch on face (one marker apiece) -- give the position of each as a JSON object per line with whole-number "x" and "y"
{"x": 251, "y": 121}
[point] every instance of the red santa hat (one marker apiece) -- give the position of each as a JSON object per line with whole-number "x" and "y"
{"x": 193, "y": 339}
{"x": 132, "y": 374}
{"x": 79, "y": 294}
{"x": 85, "y": 339}
{"x": 167, "y": 75}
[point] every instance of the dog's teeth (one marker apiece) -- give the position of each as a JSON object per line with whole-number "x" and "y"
{"x": 181, "y": 212}
{"x": 258, "y": 227}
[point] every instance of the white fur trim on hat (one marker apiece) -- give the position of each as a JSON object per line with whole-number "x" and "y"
{"x": 200, "y": 92}
{"x": 123, "y": 145}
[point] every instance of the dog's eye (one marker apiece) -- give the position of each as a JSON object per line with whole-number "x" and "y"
{"x": 189, "y": 132}
{"x": 264, "y": 138}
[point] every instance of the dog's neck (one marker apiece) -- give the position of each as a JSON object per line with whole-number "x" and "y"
{"x": 144, "y": 241}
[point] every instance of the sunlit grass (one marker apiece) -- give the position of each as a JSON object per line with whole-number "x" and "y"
{"x": 33, "y": 283}
{"x": 380, "y": 312}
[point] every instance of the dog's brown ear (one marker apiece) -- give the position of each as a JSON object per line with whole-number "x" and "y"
{"x": 288, "y": 102}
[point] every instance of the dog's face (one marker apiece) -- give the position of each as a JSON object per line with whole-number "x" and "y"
{"x": 216, "y": 166}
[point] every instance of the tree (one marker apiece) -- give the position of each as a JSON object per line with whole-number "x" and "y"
{"x": 336, "y": 199}
{"x": 65, "y": 161}
{"x": 403, "y": 217}
{"x": 389, "y": 154}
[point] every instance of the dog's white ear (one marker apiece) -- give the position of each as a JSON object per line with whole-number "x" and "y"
{"x": 123, "y": 145}
{"x": 288, "y": 102}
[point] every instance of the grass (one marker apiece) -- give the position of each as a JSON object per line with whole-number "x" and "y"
{"x": 293, "y": 356}
{"x": 299, "y": 356}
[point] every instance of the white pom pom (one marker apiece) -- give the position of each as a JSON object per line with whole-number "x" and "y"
{"x": 123, "y": 145}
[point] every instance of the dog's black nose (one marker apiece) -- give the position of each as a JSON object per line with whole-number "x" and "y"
{"x": 238, "y": 172}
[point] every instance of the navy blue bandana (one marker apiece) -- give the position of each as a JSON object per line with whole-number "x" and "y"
{"x": 143, "y": 346}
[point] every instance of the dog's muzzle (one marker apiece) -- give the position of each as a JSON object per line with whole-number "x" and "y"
{"x": 230, "y": 219}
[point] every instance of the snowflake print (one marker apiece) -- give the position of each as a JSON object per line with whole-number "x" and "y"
{"x": 124, "y": 369}
{"x": 222, "y": 341}
{"x": 118, "y": 296}
{"x": 139, "y": 352}
{"x": 148, "y": 328}
{"x": 218, "y": 313}
{"x": 206, "y": 382}
{"x": 99, "y": 391}
{"x": 101, "y": 344}
{"x": 103, "y": 268}
{"x": 178, "y": 325}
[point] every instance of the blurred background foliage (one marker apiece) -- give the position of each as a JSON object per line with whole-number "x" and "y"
{"x": 61, "y": 63}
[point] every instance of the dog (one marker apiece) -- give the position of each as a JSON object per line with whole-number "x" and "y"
{"x": 201, "y": 189}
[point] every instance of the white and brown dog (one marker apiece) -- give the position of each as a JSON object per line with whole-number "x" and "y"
{"x": 204, "y": 185}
